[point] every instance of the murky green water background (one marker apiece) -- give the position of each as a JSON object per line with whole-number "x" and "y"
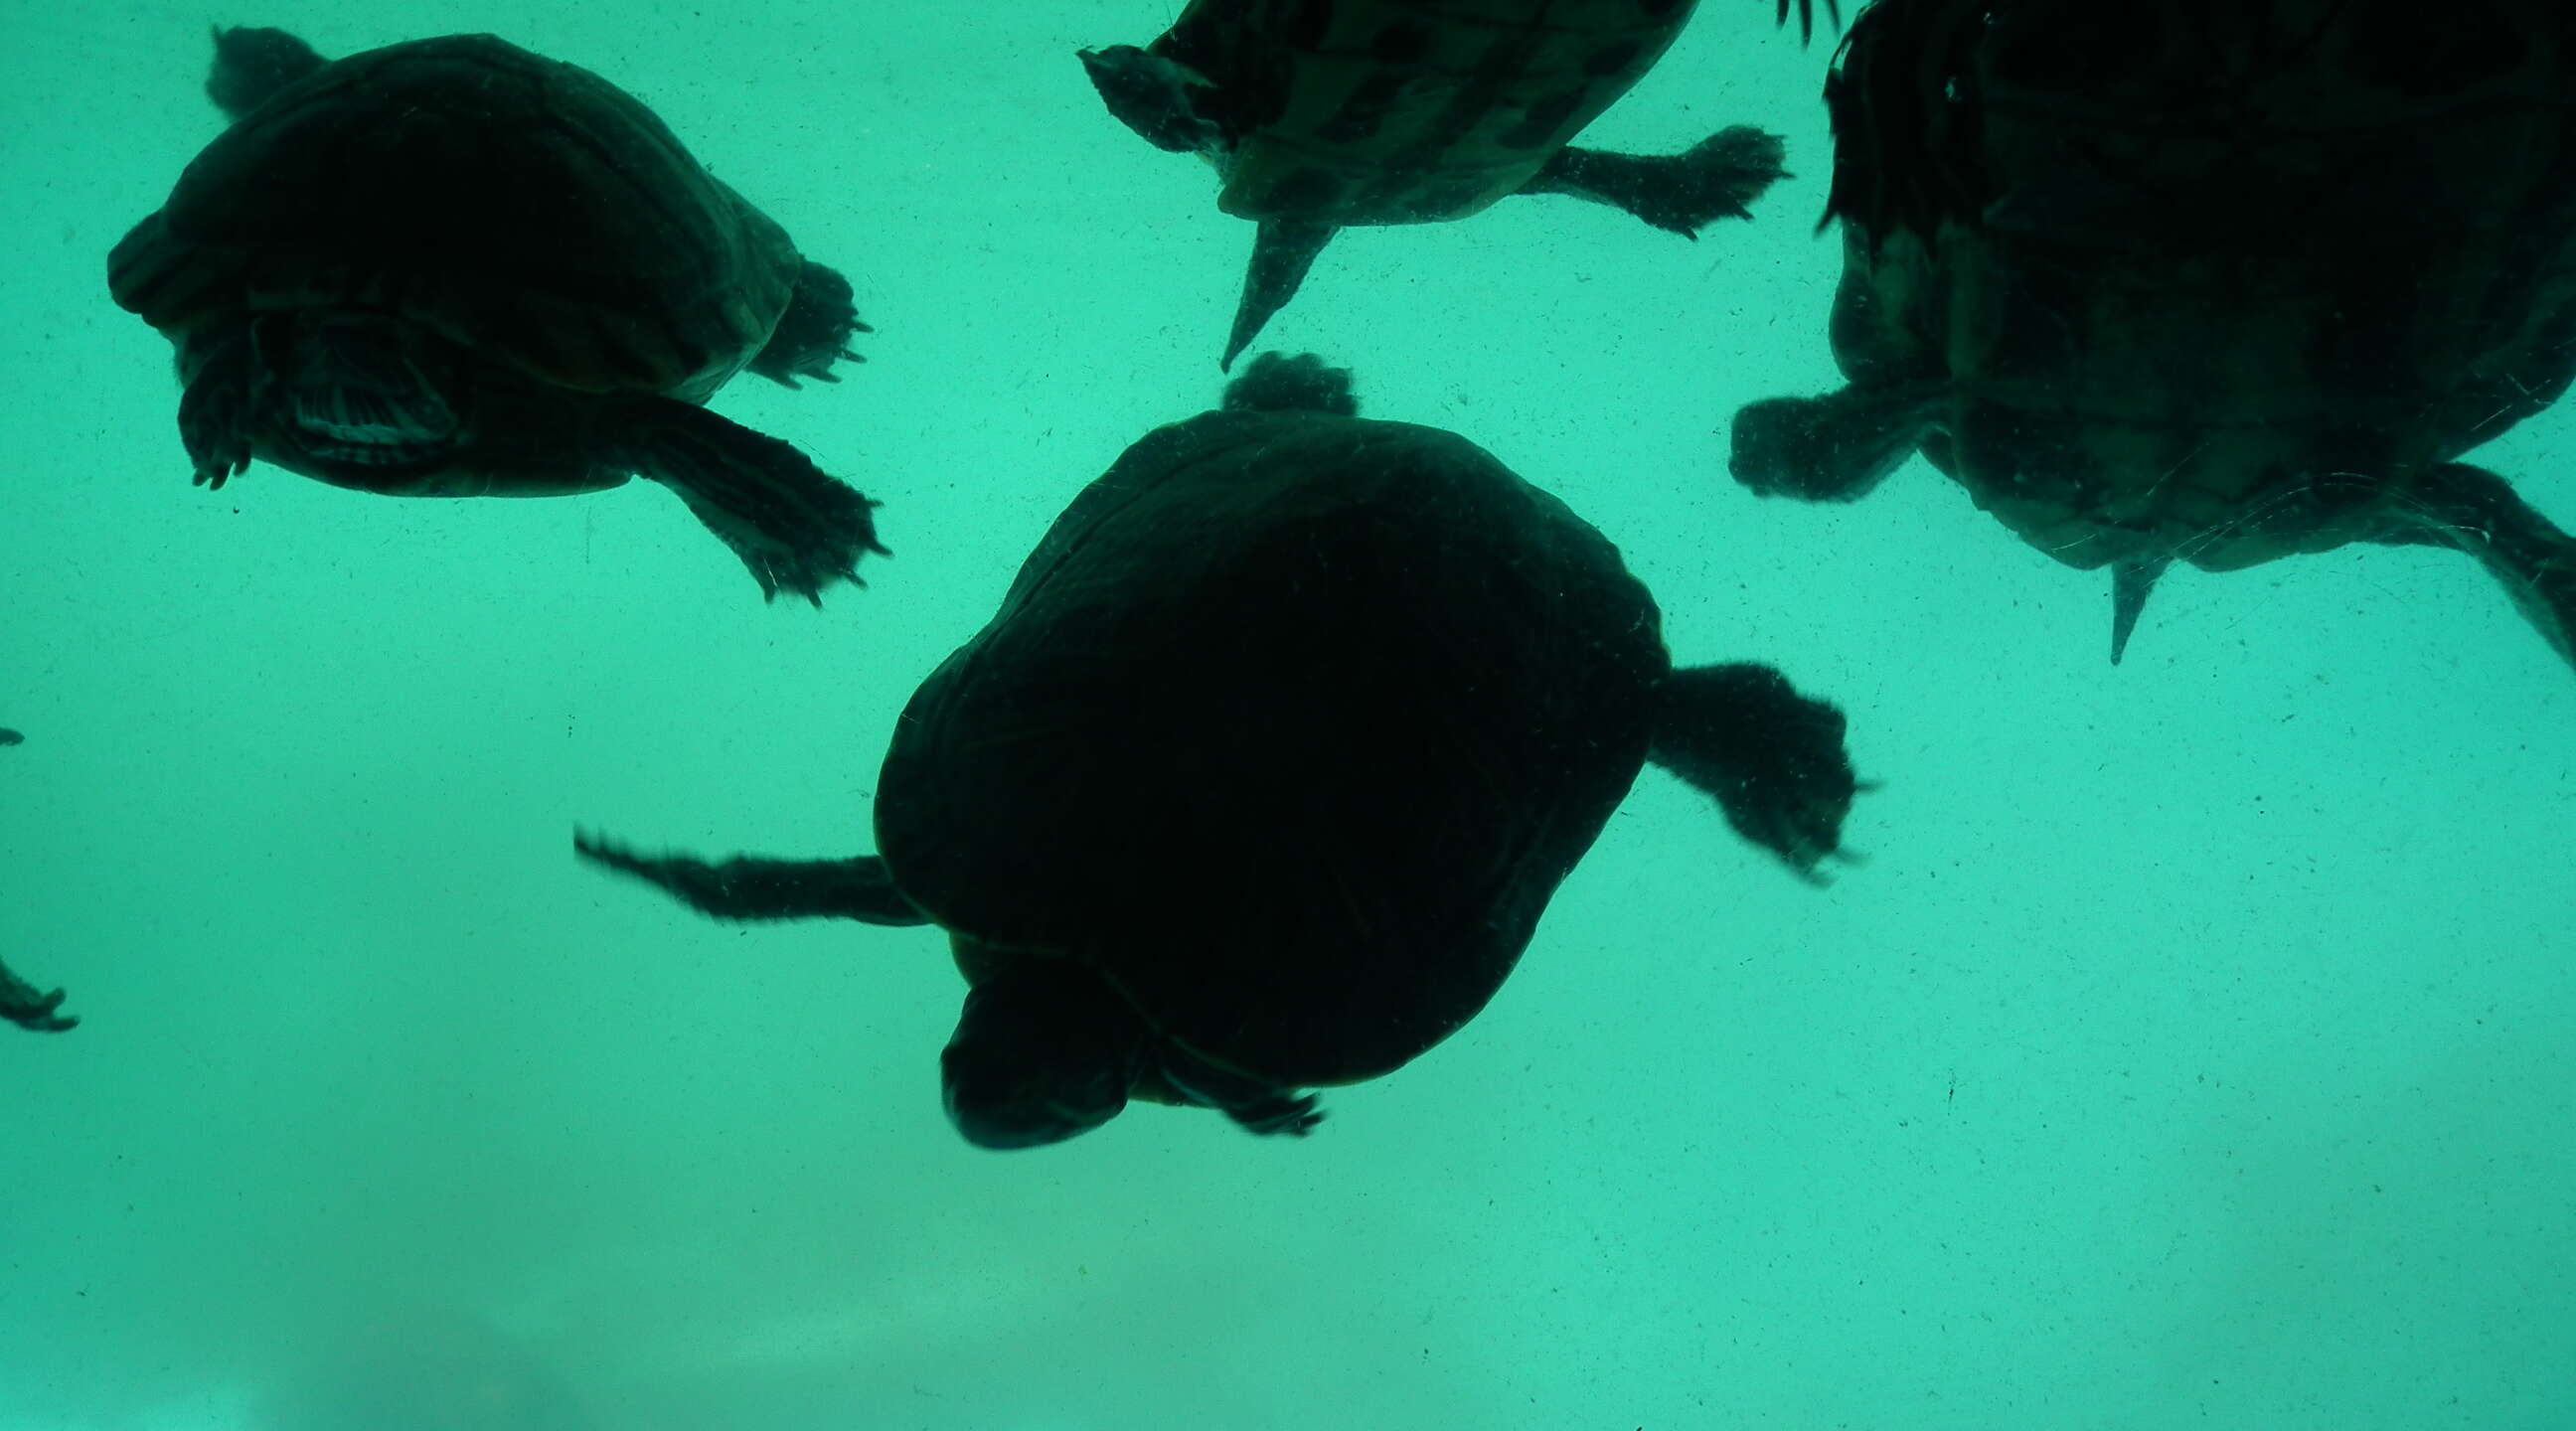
{"x": 2193, "y": 1051}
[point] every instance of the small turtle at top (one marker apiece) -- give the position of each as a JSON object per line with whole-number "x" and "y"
{"x": 1324, "y": 114}
{"x": 452, "y": 268}
{"x": 2204, "y": 283}
{"x": 1264, "y": 772}
{"x": 21, "y": 1003}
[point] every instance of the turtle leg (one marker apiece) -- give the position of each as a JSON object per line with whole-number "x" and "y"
{"x": 1679, "y": 193}
{"x": 1835, "y": 448}
{"x": 2473, "y": 510}
{"x": 220, "y": 367}
{"x": 797, "y": 528}
{"x": 747, "y": 888}
{"x": 1281, "y": 253}
{"x": 1772, "y": 759}
{"x": 21, "y": 1004}
{"x": 815, "y": 331}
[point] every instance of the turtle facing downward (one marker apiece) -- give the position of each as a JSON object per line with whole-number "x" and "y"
{"x": 1322, "y": 114}
{"x": 1268, "y": 765}
{"x": 2215, "y": 284}
{"x": 452, "y": 268}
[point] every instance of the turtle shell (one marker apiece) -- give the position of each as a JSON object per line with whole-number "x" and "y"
{"x": 1407, "y": 111}
{"x": 524, "y": 208}
{"x": 2179, "y": 264}
{"x": 1290, "y": 728}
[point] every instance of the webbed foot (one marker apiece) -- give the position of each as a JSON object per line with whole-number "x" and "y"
{"x": 1717, "y": 178}
{"x": 796, "y": 528}
{"x": 21, "y": 1004}
{"x": 814, "y": 332}
{"x": 1835, "y": 448}
{"x": 215, "y": 407}
{"x": 1772, "y": 759}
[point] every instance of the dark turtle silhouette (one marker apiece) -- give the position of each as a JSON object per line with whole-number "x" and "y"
{"x": 21, "y": 1003}
{"x": 2203, "y": 283}
{"x": 2200, "y": 284}
{"x": 11, "y": 737}
{"x": 452, "y": 268}
{"x": 1268, "y": 765}
{"x": 1324, "y": 114}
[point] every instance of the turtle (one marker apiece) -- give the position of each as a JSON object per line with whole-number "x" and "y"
{"x": 453, "y": 268}
{"x": 11, "y": 737}
{"x": 1323, "y": 114}
{"x": 1265, "y": 770}
{"x": 22, "y": 1004}
{"x": 2198, "y": 283}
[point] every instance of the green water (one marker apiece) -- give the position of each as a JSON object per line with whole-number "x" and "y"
{"x": 2191, "y": 1051}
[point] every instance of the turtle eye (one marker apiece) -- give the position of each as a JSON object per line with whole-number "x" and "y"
{"x": 2068, "y": 46}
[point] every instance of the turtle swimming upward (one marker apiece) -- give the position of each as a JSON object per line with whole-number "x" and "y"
{"x": 2203, "y": 283}
{"x": 451, "y": 268}
{"x": 1265, "y": 770}
{"x": 1322, "y": 114}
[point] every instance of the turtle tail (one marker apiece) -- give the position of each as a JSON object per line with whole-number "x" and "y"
{"x": 1772, "y": 759}
{"x": 252, "y": 65}
{"x": 1274, "y": 382}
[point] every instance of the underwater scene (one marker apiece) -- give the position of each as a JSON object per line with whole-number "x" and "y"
{"x": 1585, "y": 715}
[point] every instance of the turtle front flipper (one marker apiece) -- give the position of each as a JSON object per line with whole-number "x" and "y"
{"x": 22, "y": 1005}
{"x": 815, "y": 331}
{"x": 220, "y": 367}
{"x": 748, "y": 888}
{"x": 1281, "y": 253}
{"x": 2476, "y": 511}
{"x": 1773, "y": 759}
{"x": 1717, "y": 178}
{"x": 797, "y": 528}
{"x": 1835, "y": 448}
{"x": 1807, "y": 17}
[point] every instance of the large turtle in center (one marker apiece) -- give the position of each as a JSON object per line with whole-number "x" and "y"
{"x": 1268, "y": 765}
{"x": 2210, "y": 283}
{"x": 452, "y": 268}
{"x": 1322, "y": 114}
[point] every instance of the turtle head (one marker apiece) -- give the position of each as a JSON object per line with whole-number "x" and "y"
{"x": 1046, "y": 1050}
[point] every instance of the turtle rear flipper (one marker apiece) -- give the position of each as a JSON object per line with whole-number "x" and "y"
{"x": 815, "y": 331}
{"x": 748, "y": 888}
{"x": 1772, "y": 758}
{"x": 2476, "y": 511}
{"x": 22, "y": 1005}
{"x": 1683, "y": 193}
{"x": 1835, "y": 448}
{"x": 797, "y": 528}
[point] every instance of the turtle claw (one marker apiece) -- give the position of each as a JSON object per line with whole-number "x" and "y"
{"x": 1717, "y": 178}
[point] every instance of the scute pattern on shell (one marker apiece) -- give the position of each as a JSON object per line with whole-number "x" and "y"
{"x": 1409, "y": 111}
{"x": 627, "y": 266}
